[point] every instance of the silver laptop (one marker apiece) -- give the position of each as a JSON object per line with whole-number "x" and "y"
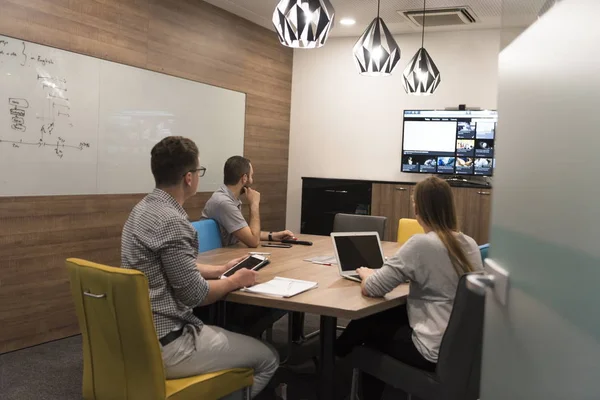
{"x": 357, "y": 249}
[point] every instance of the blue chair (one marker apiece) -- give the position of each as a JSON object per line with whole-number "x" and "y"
{"x": 484, "y": 248}
{"x": 209, "y": 237}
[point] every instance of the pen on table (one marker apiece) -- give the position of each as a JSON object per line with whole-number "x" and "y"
{"x": 321, "y": 263}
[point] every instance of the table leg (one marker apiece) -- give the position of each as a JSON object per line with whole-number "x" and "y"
{"x": 327, "y": 361}
{"x": 297, "y": 326}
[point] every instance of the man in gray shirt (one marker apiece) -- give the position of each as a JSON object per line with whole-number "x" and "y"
{"x": 225, "y": 207}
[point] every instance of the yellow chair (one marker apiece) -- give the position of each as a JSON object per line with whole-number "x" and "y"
{"x": 121, "y": 354}
{"x": 408, "y": 227}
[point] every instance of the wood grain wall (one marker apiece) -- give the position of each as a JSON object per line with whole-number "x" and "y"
{"x": 186, "y": 38}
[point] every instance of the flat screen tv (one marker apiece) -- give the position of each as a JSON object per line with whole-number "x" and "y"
{"x": 449, "y": 142}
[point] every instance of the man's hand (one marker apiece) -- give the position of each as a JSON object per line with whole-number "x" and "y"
{"x": 231, "y": 263}
{"x": 282, "y": 235}
{"x": 364, "y": 273}
{"x": 219, "y": 288}
{"x": 244, "y": 278}
{"x": 253, "y": 196}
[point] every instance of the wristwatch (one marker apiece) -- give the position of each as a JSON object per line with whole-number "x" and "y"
{"x": 270, "y": 236}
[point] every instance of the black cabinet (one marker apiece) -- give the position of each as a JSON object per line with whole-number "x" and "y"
{"x": 323, "y": 198}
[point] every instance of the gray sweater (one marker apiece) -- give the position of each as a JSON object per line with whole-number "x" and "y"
{"x": 423, "y": 260}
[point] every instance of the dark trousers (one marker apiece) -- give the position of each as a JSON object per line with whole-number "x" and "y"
{"x": 242, "y": 318}
{"x": 388, "y": 332}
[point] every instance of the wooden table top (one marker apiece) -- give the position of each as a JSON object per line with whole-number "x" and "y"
{"x": 334, "y": 297}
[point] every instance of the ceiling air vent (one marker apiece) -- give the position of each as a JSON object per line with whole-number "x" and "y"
{"x": 441, "y": 16}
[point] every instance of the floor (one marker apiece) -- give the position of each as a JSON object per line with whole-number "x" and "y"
{"x": 48, "y": 371}
{"x": 53, "y": 371}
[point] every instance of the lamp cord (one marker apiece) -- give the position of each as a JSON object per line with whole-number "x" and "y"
{"x": 423, "y": 31}
{"x": 378, "y": 4}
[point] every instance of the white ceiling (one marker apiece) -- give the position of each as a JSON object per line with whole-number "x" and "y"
{"x": 489, "y": 13}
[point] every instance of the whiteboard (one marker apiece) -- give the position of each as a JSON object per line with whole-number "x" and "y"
{"x": 73, "y": 124}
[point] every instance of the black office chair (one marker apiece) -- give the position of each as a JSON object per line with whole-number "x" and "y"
{"x": 359, "y": 223}
{"x": 458, "y": 369}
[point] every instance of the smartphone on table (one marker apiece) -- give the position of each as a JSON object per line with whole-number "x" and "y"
{"x": 254, "y": 262}
{"x": 279, "y": 245}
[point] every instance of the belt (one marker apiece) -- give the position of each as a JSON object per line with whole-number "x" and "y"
{"x": 170, "y": 337}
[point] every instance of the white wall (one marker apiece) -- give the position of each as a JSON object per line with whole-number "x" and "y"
{"x": 344, "y": 125}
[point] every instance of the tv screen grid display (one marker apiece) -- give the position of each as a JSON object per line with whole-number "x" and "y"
{"x": 449, "y": 142}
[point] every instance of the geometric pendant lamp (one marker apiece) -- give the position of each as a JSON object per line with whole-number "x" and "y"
{"x": 303, "y": 24}
{"x": 376, "y": 53}
{"x": 421, "y": 76}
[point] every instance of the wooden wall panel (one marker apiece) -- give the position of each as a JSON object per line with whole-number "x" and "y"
{"x": 186, "y": 38}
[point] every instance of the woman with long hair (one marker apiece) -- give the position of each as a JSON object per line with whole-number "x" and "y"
{"x": 432, "y": 263}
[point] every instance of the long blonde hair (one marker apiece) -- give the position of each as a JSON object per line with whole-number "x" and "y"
{"x": 434, "y": 204}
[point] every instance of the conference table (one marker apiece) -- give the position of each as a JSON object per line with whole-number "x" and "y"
{"x": 335, "y": 297}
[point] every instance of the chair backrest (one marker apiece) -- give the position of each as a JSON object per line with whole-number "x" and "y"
{"x": 359, "y": 223}
{"x": 459, "y": 361}
{"x": 484, "y": 248}
{"x": 121, "y": 354}
{"x": 408, "y": 227}
{"x": 209, "y": 236}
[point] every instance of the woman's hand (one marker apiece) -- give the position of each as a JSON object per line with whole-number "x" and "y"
{"x": 364, "y": 273}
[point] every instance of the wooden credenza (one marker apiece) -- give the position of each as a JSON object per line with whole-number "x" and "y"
{"x": 473, "y": 207}
{"x": 393, "y": 201}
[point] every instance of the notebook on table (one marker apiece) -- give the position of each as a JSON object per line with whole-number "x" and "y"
{"x": 282, "y": 287}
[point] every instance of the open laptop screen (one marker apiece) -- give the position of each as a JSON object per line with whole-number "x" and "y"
{"x": 358, "y": 251}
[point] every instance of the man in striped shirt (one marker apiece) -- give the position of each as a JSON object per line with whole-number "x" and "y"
{"x": 159, "y": 241}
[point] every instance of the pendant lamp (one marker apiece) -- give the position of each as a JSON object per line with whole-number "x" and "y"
{"x": 421, "y": 76}
{"x": 303, "y": 24}
{"x": 376, "y": 53}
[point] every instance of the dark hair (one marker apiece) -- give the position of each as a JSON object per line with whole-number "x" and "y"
{"x": 434, "y": 204}
{"x": 235, "y": 168}
{"x": 172, "y": 158}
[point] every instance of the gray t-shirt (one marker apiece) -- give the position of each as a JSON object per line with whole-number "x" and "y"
{"x": 423, "y": 260}
{"x": 224, "y": 208}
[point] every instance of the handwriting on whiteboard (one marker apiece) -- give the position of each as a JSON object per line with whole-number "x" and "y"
{"x": 57, "y": 146}
{"x": 17, "y": 113}
{"x": 22, "y": 54}
{"x": 54, "y": 117}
